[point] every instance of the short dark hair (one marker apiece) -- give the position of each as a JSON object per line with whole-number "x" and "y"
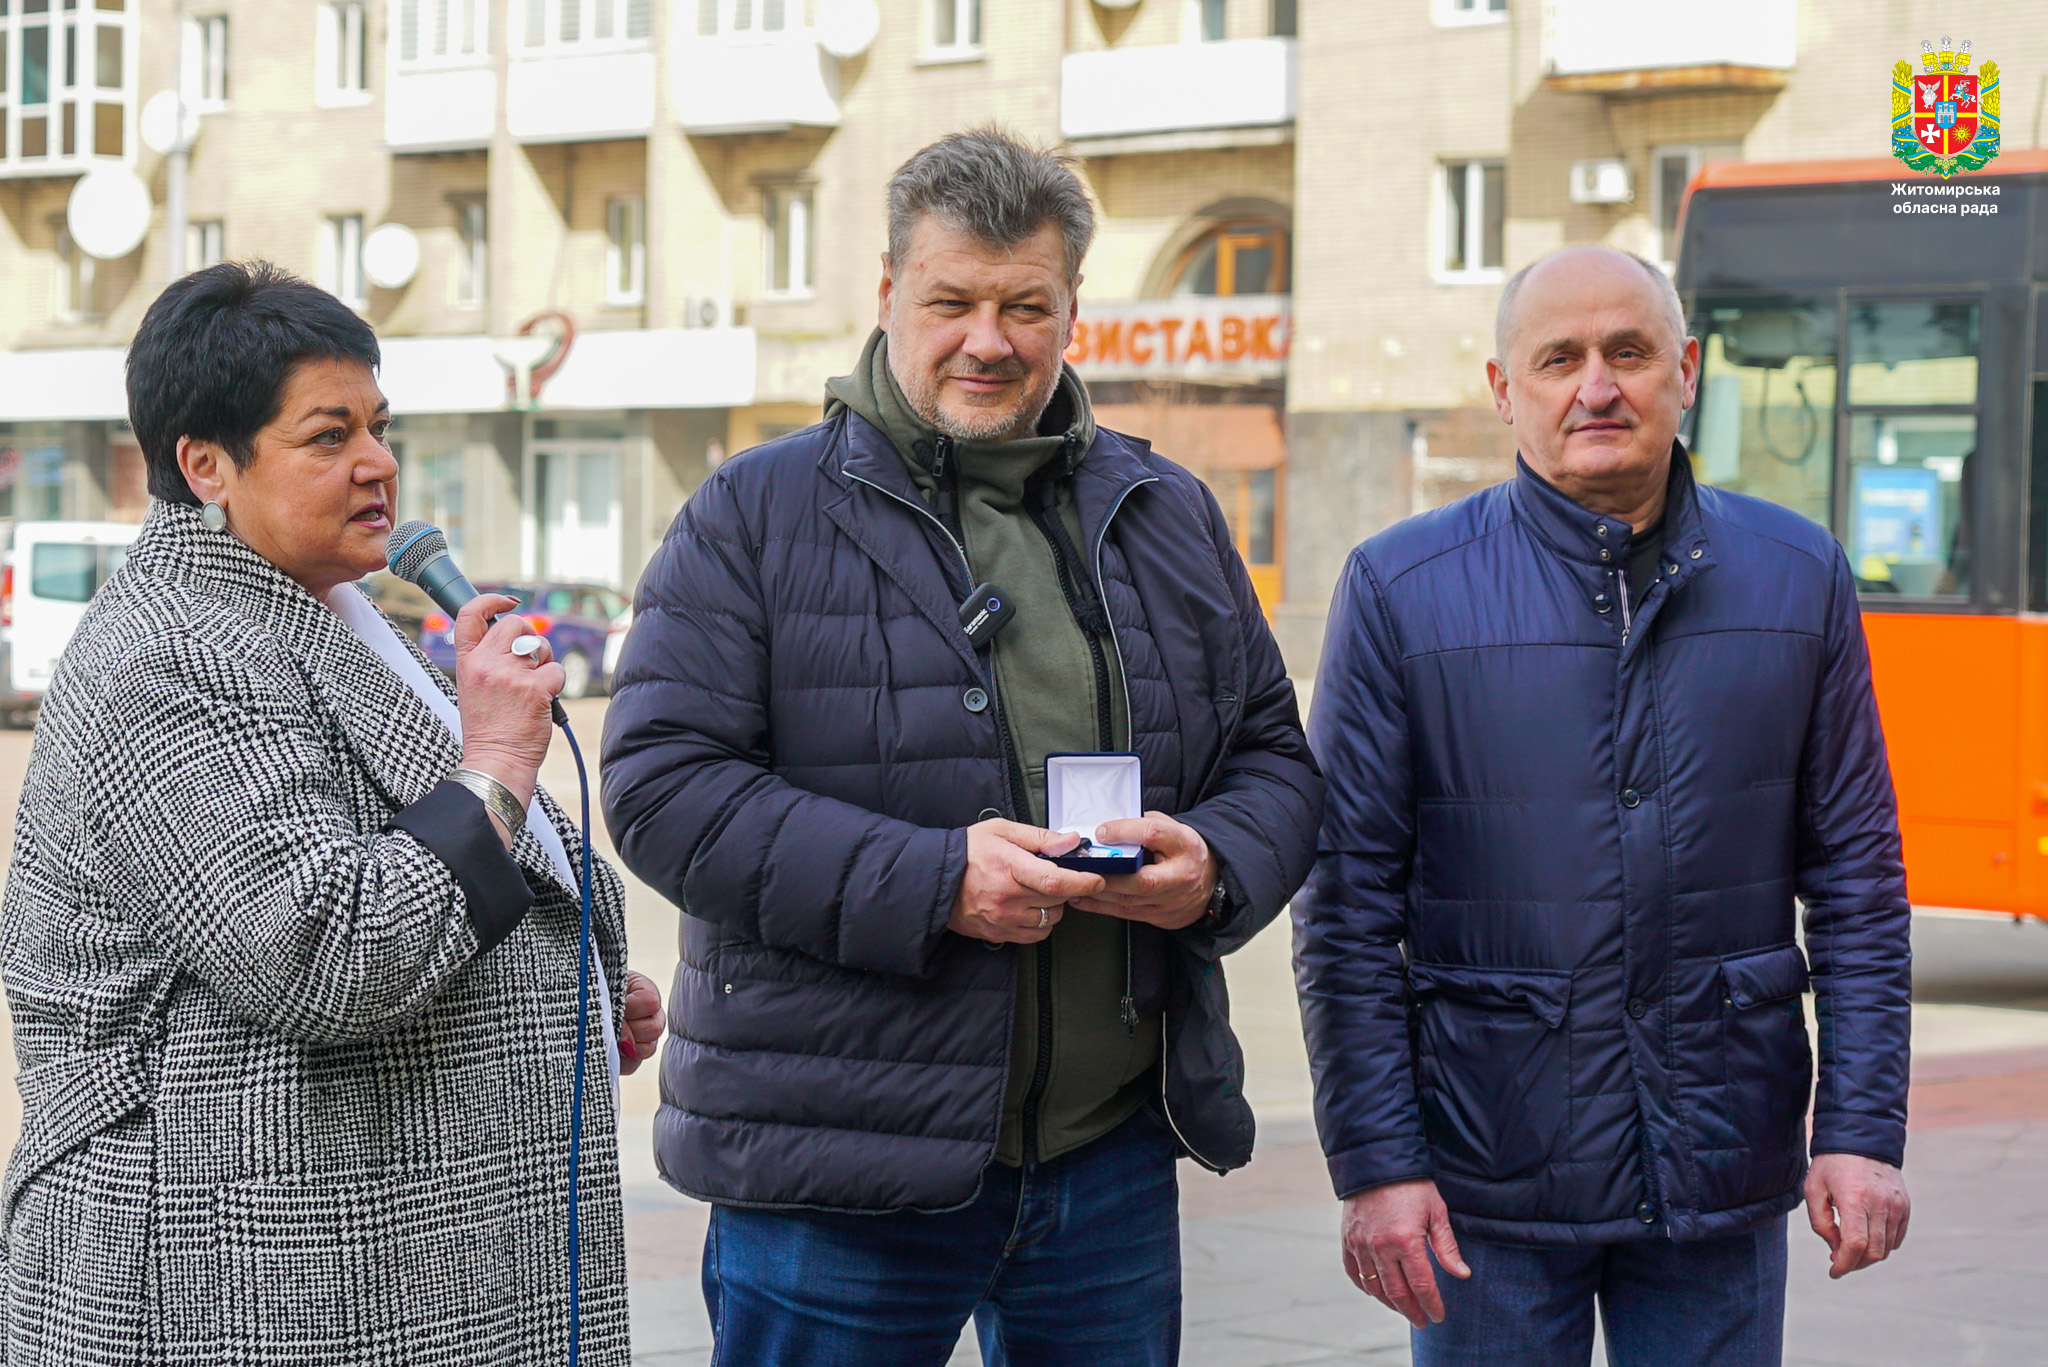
{"x": 988, "y": 184}
{"x": 214, "y": 353}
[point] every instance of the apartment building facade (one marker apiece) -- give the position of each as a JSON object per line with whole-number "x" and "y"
{"x": 1308, "y": 208}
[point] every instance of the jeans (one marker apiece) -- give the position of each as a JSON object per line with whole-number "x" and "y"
{"x": 1074, "y": 1262}
{"x": 1712, "y": 1303}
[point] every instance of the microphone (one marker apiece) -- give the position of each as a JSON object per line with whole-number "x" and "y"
{"x": 418, "y": 553}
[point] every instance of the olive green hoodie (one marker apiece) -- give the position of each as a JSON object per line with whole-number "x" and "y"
{"x": 1078, "y": 1067}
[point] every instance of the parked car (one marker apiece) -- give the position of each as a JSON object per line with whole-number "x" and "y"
{"x": 406, "y": 604}
{"x": 581, "y": 622}
{"x": 49, "y": 571}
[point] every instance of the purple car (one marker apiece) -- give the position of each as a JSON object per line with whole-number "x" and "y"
{"x": 582, "y": 622}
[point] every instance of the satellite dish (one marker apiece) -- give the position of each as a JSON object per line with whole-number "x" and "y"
{"x": 391, "y": 256}
{"x": 847, "y": 28}
{"x": 109, "y": 212}
{"x": 163, "y": 130}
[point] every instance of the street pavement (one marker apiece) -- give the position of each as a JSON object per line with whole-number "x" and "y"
{"x": 1263, "y": 1284}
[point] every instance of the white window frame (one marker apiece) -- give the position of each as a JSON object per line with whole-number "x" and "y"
{"x": 470, "y": 281}
{"x": 1469, "y": 13}
{"x": 82, "y": 101}
{"x": 789, "y": 218}
{"x": 1194, "y": 21}
{"x": 77, "y": 275}
{"x": 341, "y": 53}
{"x": 207, "y": 53}
{"x": 595, "y": 25}
{"x": 205, "y": 243}
{"x": 625, "y": 250}
{"x": 446, "y": 33}
{"x": 1696, "y": 155}
{"x": 970, "y": 33}
{"x": 743, "y": 21}
{"x": 341, "y": 259}
{"x": 1473, "y": 169}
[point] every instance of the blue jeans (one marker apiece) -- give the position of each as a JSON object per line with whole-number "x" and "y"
{"x": 1073, "y": 1262}
{"x": 1712, "y": 1303}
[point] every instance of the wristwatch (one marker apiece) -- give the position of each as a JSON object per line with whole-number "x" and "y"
{"x": 1219, "y": 899}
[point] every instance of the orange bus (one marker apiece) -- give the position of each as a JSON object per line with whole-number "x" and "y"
{"x": 1874, "y": 354}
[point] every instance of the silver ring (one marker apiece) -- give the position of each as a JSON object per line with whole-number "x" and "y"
{"x": 527, "y": 646}
{"x": 1044, "y": 914}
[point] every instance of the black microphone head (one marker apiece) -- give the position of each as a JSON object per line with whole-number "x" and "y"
{"x": 412, "y": 546}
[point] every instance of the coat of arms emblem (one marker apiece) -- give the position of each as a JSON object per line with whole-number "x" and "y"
{"x": 1944, "y": 117}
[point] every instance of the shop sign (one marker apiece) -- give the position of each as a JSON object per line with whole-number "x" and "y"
{"x": 1241, "y": 337}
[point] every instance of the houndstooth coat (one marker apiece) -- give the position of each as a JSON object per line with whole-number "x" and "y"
{"x": 278, "y": 1108}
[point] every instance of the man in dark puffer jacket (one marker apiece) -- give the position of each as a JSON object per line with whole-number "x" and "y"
{"x": 922, "y": 1072}
{"x": 1588, "y": 734}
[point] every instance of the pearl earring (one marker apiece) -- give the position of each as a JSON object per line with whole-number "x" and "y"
{"x": 214, "y": 516}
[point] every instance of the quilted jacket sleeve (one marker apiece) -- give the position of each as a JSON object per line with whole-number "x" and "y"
{"x": 1853, "y": 881}
{"x": 1259, "y": 816}
{"x": 225, "y": 832}
{"x": 1350, "y": 919}
{"x": 692, "y": 803}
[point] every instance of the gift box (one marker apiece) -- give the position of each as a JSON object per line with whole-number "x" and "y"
{"x": 1084, "y": 791}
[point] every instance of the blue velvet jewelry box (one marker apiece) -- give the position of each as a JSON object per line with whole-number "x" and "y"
{"x": 1084, "y": 790}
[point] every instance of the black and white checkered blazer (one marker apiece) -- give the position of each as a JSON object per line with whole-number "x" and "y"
{"x": 279, "y": 1104}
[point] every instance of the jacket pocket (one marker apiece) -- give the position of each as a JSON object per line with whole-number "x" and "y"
{"x": 320, "y": 1270}
{"x": 1767, "y": 1060}
{"x": 1494, "y": 1062}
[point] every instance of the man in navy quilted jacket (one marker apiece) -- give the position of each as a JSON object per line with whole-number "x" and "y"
{"x": 922, "y": 1072}
{"x": 1589, "y": 734}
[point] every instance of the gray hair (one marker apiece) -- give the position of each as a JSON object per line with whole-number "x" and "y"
{"x": 986, "y": 183}
{"x": 1667, "y": 294}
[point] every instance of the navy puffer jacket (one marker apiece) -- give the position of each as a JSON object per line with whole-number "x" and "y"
{"x": 800, "y": 734}
{"x": 1548, "y": 954}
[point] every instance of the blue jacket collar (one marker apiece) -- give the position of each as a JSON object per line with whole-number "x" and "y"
{"x": 1579, "y": 535}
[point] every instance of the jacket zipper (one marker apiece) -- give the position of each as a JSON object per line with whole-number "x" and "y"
{"x": 1621, "y": 588}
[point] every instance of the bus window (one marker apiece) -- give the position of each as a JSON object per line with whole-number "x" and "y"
{"x": 1767, "y": 401}
{"x": 1907, "y": 530}
{"x": 2037, "y": 492}
{"x": 1914, "y": 352}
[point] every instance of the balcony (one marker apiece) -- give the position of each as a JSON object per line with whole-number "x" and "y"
{"x": 1178, "y": 95}
{"x": 560, "y": 94}
{"x": 1653, "y": 46}
{"x": 440, "y": 109}
{"x": 67, "y": 89}
{"x": 754, "y": 85}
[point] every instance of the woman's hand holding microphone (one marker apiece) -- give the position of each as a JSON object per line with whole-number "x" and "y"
{"x": 504, "y": 698}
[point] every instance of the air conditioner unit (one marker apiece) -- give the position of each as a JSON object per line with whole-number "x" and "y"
{"x": 1601, "y": 180}
{"x": 707, "y": 311}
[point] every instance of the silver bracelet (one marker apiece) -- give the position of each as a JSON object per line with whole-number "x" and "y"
{"x": 496, "y": 797}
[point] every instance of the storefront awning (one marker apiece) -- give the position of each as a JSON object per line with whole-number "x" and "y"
{"x": 630, "y": 368}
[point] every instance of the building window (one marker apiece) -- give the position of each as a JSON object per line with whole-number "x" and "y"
{"x": 955, "y": 27}
{"x": 1472, "y": 209}
{"x": 77, "y": 280}
{"x": 1284, "y": 21}
{"x": 625, "y": 250}
{"x": 205, "y": 243}
{"x": 341, "y": 258}
{"x": 789, "y": 270}
{"x": 66, "y": 82}
{"x": 742, "y": 18}
{"x": 1471, "y": 11}
{"x": 206, "y": 61}
{"x": 1238, "y": 258}
{"x": 472, "y": 252}
{"x": 440, "y": 31}
{"x": 571, "y": 23}
{"x": 1671, "y": 170}
{"x": 341, "y": 53}
{"x": 1207, "y": 20}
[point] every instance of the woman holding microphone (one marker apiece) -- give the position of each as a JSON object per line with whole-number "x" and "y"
{"x": 291, "y": 936}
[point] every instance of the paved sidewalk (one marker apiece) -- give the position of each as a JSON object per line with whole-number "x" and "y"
{"x": 1264, "y": 1287}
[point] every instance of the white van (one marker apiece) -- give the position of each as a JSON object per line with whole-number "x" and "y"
{"x": 49, "y": 572}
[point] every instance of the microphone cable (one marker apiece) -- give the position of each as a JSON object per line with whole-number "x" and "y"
{"x": 582, "y": 1048}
